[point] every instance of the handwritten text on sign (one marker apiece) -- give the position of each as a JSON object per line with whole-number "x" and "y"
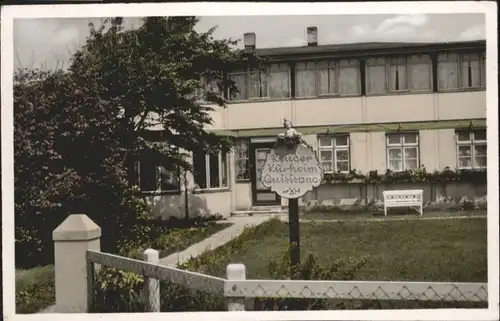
{"x": 291, "y": 173}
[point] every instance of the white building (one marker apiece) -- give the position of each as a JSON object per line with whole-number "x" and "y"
{"x": 363, "y": 106}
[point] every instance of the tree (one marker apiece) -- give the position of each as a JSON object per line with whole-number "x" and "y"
{"x": 79, "y": 131}
{"x": 155, "y": 71}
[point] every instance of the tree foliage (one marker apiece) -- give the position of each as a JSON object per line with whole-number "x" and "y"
{"x": 78, "y": 131}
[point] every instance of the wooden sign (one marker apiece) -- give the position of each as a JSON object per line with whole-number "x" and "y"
{"x": 291, "y": 172}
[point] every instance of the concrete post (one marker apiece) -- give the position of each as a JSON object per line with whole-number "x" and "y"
{"x": 236, "y": 272}
{"x": 152, "y": 286}
{"x": 72, "y": 238}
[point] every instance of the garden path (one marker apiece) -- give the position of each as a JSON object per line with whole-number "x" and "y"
{"x": 214, "y": 241}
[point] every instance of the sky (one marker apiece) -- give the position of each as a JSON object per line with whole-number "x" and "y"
{"x": 49, "y": 42}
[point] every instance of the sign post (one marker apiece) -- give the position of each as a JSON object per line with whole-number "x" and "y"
{"x": 291, "y": 170}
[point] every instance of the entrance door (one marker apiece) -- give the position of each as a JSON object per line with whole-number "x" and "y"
{"x": 260, "y": 194}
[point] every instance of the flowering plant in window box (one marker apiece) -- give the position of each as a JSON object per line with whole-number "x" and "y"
{"x": 415, "y": 176}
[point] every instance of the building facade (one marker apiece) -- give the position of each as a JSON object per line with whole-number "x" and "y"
{"x": 363, "y": 107}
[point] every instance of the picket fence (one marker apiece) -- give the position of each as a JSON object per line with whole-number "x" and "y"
{"x": 78, "y": 256}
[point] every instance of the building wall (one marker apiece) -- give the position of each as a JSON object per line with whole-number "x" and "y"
{"x": 243, "y": 191}
{"x": 200, "y": 202}
{"x": 354, "y": 110}
{"x": 447, "y": 150}
{"x": 437, "y": 147}
{"x": 367, "y": 152}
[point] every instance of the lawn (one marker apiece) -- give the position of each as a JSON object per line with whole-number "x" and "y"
{"x": 407, "y": 250}
{"x": 35, "y": 287}
{"x": 362, "y": 216}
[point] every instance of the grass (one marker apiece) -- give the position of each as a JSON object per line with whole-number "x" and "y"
{"x": 450, "y": 250}
{"x": 35, "y": 289}
{"x": 363, "y": 216}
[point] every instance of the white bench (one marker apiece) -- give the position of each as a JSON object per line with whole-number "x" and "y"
{"x": 403, "y": 198}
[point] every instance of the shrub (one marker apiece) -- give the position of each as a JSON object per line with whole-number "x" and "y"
{"x": 120, "y": 291}
{"x": 310, "y": 269}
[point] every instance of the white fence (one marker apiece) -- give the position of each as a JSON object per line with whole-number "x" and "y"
{"x": 75, "y": 239}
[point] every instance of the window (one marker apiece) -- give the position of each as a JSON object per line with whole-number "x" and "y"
{"x": 334, "y": 153}
{"x": 349, "y": 77}
{"x": 258, "y": 84}
{"x": 327, "y": 78}
{"x": 210, "y": 170}
{"x": 402, "y": 151}
{"x": 420, "y": 73}
{"x": 471, "y": 71}
{"x": 240, "y": 80}
{"x": 274, "y": 82}
{"x": 471, "y": 149}
{"x": 242, "y": 160}
{"x": 398, "y": 76}
{"x": 279, "y": 81}
{"x": 376, "y": 75}
{"x": 483, "y": 68}
{"x": 154, "y": 177}
{"x": 448, "y": 71}
{"x": 306, "y": 79}
{"x": 464, "y": 70}
{"x": 207, "y": 86}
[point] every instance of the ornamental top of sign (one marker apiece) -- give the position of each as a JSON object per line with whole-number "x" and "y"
{"x": 290, "y": 137}
{"x": 289, "y": 130}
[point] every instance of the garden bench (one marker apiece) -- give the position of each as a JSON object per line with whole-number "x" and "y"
{"x": 403, "y": 198}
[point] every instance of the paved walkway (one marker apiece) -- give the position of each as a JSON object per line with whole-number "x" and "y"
{"x": 214, "y": 241}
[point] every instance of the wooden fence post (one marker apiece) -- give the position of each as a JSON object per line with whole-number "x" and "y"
{"x": 152, "y": 286}
{"x": 236, "y": 272}
{"x": 72, "y": 238}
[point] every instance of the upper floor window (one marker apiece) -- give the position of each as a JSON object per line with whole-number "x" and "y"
{"x": 242, "y": 160}
{"x": 398, "y": 74}
{"x": 206, "y": 86}
{"x": 461, "y": 70}
{"x": 420, "y": 73}
{"x": 471, "y": 149}
{"x": 327, "y": 78}
{"x": 271, "y": 83}
{"x": 334, "y": 153}
{"x": 402, "y": 151}
{"x": 258, "y": 84}
{"x": 210, "y": 170}
{"x": 153, "y": 176}
{"x": 376, "y": 75}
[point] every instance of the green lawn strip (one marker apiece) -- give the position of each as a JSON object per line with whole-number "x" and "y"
{"x": 363, "y": 216}
{"x": 452, "y": 250}
{"x": 35, "y": 287}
